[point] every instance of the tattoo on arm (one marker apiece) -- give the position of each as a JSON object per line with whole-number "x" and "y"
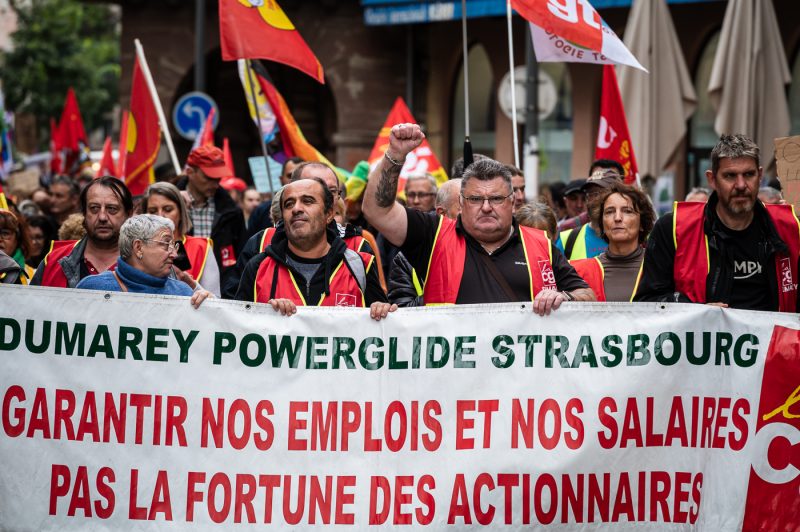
{"x": 387, "y": 186}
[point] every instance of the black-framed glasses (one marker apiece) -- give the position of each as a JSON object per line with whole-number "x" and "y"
{"x": 477, "y": 201}
{"x": 166, "y": 246}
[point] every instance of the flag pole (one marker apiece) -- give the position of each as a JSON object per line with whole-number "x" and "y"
{"x": 258, "y": 123}
{"x": 513, "y": 85}
{"x": 467, "y": 144}
{"x": 157, "y": 103}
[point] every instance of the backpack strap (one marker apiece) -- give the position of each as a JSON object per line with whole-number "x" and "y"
{"x": 569, "y": 245}
{"x": 356, "y": 266}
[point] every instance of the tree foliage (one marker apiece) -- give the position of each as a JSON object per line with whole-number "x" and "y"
{"x": 60, "y": 44}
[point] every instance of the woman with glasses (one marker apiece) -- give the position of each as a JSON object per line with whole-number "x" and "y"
{"x": 195, "y": 261}
{"x": 15, "y": 242}
{"x": 147, "y": 252}
{"x": 625, "y": 218}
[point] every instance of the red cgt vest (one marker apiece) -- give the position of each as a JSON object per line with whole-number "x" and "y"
{"x": 344, "y": 289}
{"x": 197, "y": 252}
{"x": 692, "y": 263}
{"x": 591, "y": 270}
{"x": 446, "y": 264}
{"x": 53, "y": 275}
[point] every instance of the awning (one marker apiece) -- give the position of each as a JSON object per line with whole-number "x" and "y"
{"x": 396, "y": 12}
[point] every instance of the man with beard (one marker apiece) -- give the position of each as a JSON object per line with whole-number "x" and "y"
{"x": 105, "y": 204}
{"x": 307, "y": 263}
{"x": 730, "y": 252}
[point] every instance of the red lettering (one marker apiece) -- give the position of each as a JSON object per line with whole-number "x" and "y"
{"x": 660, "y": 487}
{"x": 549, "y": 406}
{"x": 484, "y": 480}
{"x": 219, "y": 480}
{"x": 264, "y": 409}
{"x": 295, "y": 424}
{"x": 459, "y": 507}
{"x": 176, "y": 416}
{"x": 572, "y": 417}
{"x": 60, "y": 477}
{"x": 433, "y": 439}
{"x": 344, "y": 498}
{"x": 605, "y": 409}
{"x": 741, "y": 408}
{"x": 192, "y": 494}
{"x": 463, "y": 424}
{"x": 379, "y": 484}
{"x": 351, "y": 421}
{"x": 14, "y": 429}
{"x": 426, "y": 498}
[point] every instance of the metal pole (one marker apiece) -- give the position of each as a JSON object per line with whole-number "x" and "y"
{"x": 258, "y": 122}
{"x": 157, "y": 103}
{"x": 410, "y": 67}
{"x": 531, "y": 169}
{"x": 200, "y": 45}
{"x": 467, "y": 144}
{"x": 515, "y": 132}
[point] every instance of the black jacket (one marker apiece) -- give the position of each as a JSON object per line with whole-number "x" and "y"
{"x": 401, "y": 283}
{"x": 227, "y": 231}
{"x": 658, "y": 282}
{"x": 313, "y": 290}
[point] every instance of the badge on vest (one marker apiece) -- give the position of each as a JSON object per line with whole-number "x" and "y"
{"x": 345, "y": 300}
{"x": 787, "y": 283}
{"x": 228, "y": 257}
{"x": 548, "y": 276}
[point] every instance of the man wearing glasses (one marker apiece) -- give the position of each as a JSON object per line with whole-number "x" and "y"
{"x": 421, "y": 192}
{"x": 481, "y": 257}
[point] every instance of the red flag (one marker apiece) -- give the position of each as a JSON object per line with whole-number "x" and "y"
{"x": 420, "y": 161}
{"x": 123, "y": 145}
{"x": 143, "y": 136}
{"x": 247, "y": 31}
{"x": 206, "y": 135}
{"x": 55, "y": 148}
{"x": 71, "y": 131}
{"x": 226, "y": 154}
{"x": 107, "y": 162}
{"x": 613, "y": 138}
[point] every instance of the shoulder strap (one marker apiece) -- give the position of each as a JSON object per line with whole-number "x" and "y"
{"x": 487, "y": 260}
{"x": 356, "y": 266}
{"x": 569, "y": 245}
{"x": 121, "y": 284}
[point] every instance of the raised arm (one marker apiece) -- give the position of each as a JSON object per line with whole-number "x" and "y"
{"x": 379, "y": 207}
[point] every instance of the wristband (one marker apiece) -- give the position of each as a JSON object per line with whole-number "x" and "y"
{"x": 395, "y": 163}
{"x": 568, "y": 296}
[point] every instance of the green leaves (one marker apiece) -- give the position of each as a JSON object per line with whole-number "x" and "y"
{"x": 60, "y": 44}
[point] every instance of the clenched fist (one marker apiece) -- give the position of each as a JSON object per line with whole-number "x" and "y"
{"x": 403, "y": 139}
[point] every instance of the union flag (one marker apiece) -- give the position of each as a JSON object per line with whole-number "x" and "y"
{"x": 107, "y": 166}
{"x": 613, "y": 138}
{"x": 420, "y": 161}
{"x": 143, "y": 136}
{"x": 259, "y": 29}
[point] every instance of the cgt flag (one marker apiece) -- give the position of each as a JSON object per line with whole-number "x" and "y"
{"x": 259, "y": 29}
{"x": 420, "y": 161}
{"x": 72, "y": 139}
{"x": 613, "y": 138}
{"x": 142, "y": 136}
{"x": 571, "y": 31}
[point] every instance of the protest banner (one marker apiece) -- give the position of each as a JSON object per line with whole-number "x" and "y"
{"x": 127, "y": 412}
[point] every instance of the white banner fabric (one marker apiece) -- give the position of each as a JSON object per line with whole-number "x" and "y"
{"x": 133, "y": 412}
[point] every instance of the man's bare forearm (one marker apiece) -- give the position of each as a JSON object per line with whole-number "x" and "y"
{"x": 583, "y": 294}
{"x": 387, "y": 184}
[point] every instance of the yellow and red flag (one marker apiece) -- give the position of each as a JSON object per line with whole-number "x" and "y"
{"x": 294, "y": 142}
{"x": 142, "y": 136}
{"x": 107, "y": 166}
{"x": 613, "y": 138}
{"x": 420, "y": 161}
{"x": 250, "y": 29}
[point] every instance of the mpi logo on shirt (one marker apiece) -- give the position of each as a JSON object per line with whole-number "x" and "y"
{"x": 744, "y": 269}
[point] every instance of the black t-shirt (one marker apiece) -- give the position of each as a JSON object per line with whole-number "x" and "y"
{"x": 478, "y": 285}
{"x": 749, "y": 268}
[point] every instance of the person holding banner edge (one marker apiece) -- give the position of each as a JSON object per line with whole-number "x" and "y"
{"x": 730, "y": 252}
{"x": 483, "y": 256}
{"x": 307, "y": 262}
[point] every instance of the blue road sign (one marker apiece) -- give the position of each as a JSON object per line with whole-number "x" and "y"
{"x": 190, "y": 112}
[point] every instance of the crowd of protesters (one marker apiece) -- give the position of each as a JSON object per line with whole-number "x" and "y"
{"x": 477, "y": 238}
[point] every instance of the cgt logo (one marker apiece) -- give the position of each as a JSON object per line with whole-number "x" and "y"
{"x": 783, "y": 436}
{"x": 775, "y": 476}
{"x": 345, "y": 300}
{"x": 787, "y": 282}
{"x": 548, "y": 277}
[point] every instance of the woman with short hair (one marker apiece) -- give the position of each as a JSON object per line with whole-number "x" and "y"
{"x": 15, "y": 242}
{"x": 195, "y": 255}
{"x": 625, "y": 217}
{"x": 147, "y": 251}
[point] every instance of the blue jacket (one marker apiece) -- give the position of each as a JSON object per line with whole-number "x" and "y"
{"x": 136, "y": 281}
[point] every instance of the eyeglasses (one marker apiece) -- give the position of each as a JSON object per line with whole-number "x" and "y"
{"x": 477, "y": 201}
{"x": 166, "y": 246}
{"x": 413, "y": 196}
